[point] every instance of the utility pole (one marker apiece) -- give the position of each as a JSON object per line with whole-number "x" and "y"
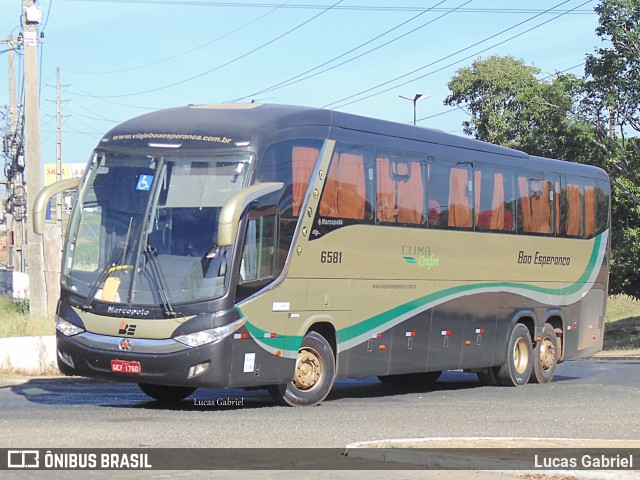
{"x": 14, "y": 226}
{"x": 35, "y": 256}
{"x": 58, "y": 151}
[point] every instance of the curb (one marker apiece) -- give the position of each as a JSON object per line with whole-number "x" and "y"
{"x": 446, "y": 453}
{"x": 28, "y": 355}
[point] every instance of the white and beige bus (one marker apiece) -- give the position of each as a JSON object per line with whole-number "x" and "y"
{"x": 284, "y": 247}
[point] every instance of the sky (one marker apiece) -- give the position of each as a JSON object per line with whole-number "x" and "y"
{"x": 122, "y": 58}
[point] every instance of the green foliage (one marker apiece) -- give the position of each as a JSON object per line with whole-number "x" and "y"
{"x": 612, "y": 99}
{"x": 509, "y": 106}
{"x": 594, "y": 121}
{"x": 15, "y": 320}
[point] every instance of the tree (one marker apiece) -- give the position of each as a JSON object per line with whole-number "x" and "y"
{"x": 559, "y": 117}
{"x": 613, "y": 102}
{"x": 509, "y": 106}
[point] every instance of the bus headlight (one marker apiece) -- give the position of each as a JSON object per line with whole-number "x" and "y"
{"x": 204, "y": 337}
{"x": 67, "y": 328}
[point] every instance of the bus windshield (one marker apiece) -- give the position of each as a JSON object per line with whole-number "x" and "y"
{"x": 145, "y": 227}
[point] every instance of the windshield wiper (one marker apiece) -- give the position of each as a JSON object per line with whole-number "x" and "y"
{"x": 104, "y": 273}
{"x": 158, "y": 278}
{"x": 109, "y": 267}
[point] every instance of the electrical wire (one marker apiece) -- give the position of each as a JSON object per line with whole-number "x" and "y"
{"x": 303, "y": 76}
{"x": 193, "y": 77}
{"x": 316, "y": 6}
{"x": 344, "y": 101}
{"x": 186, "y": 52}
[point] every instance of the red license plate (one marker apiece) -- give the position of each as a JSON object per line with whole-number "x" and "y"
{"x": 123, "y": 366}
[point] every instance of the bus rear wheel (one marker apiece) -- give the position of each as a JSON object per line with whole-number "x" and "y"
{"x": 165, "y": 393}
{"x": 313, "y": 375}
{"x": 545, "y": 356}
{"x": 516, "y": 369}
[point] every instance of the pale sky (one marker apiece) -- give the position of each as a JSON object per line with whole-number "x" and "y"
{"x": 122, "y": 58}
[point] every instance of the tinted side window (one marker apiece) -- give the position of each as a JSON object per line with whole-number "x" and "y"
{"x": 460, "y": 186}
{"x": 291, "y": 162}
{"x": 596, "y": 208}
{"x": 494, "y": 198}
{"x": 571, "y": 213}
{"x": 344, "y": 193}
{"x": 400, "y": 189}
{"x": 535, "y": 203}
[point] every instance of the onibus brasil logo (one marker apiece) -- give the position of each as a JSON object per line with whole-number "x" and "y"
{"x": 420, "y": 255}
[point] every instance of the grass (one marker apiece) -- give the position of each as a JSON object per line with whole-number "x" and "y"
{"x": 15, "y": 320}
{"x": 622, "y": 327}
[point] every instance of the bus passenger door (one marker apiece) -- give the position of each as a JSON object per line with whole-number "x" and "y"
{"x": 258, "y": 351}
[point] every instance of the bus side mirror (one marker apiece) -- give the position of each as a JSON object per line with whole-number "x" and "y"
{"x": 43, "y": 197}
{"x": 233, "y": 208}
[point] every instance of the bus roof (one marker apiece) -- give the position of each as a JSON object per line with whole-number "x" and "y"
{"x": 230, "y": 125}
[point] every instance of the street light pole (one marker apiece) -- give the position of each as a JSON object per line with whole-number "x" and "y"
{"x": 415, "y": 99}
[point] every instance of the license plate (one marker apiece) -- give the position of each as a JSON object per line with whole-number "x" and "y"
{"x": 123, "y": 366}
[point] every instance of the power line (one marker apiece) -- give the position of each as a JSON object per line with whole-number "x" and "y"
{"x": 186, "y": 52}
{"x": 343, "y": 101}
{"x": 300, "y": 77}
{"x": 317, "y": 6}
{"x": 193, "y": 77}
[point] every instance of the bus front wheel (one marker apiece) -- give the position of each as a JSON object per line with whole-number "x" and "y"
{"x": 516, "y": 369}
{"x": 545, "y": 356}
{"x": 313, "y": 375}
{"x": 165, "y": 393}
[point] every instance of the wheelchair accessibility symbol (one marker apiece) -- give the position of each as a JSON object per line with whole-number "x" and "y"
{"x": 144, "y": 182}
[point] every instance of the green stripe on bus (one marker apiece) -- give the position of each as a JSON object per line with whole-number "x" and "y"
{"x": 370, "y": 324}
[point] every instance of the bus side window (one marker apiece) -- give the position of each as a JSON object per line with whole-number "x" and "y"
{"x": 344, "y": 194}
{"x": 400, "y": 190}
{"x": 534, "y": 207}
{"x": 493, "y": 199}
{"x": 303, "y": 160}
{"x": 460, "y": 197}
{"x": 259, "y": 250}
{"x": 601, "y": 207}
{"x": 438, "y": 172}
{"x": 571, "y": 218}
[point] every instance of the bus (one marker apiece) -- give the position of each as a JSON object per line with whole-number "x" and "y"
{"x": 282, "y": 247}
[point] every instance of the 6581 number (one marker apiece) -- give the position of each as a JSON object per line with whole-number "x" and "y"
{"x": 330, "y": 257}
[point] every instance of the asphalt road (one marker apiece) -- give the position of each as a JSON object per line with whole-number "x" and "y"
{"x": 586, "y": 400}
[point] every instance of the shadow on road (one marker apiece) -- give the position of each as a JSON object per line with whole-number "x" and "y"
{"x": 82, "y": 391}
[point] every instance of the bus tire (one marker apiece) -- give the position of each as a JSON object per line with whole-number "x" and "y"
{"x": 545, "y": 356}
{"x": 422, "y": 378}
{"x": 165, "y": 393}
{"x": 517, "y": 367}
{"x": 313, "y": 375}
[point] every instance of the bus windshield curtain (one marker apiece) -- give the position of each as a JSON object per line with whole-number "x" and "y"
{"x": 573, "y": 213}
{"x": 557, "y": 196}
{"x": 459, "y": 205}
{"x": 303, "y": 160}
{"x": 385, "y": 192}
{"x": 589, "y": 210}
{"x": 536, "y": 206}
{"x": 400, "y": 191}
{"x": 344, "y": 192}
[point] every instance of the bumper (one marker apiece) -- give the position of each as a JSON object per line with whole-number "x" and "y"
{"x": 162, "y": 362}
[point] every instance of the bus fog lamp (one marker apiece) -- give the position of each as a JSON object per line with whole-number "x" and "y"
{"x": 67, "y": 328}
{"x": 198, "y": 369}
